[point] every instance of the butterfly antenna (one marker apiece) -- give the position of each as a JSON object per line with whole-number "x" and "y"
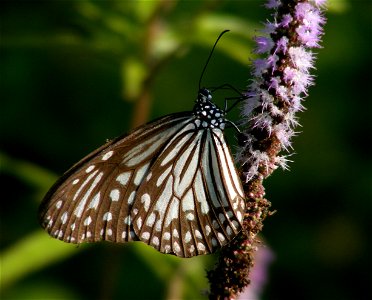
{"x": 210, "y": 55}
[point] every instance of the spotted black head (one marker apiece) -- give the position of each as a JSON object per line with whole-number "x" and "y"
{"x": 207, "y": 114}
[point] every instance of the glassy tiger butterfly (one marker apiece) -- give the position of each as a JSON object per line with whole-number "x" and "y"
{"x": 170, "y": 183}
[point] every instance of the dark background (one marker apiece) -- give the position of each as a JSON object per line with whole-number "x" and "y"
{"x": 71, "y": 74}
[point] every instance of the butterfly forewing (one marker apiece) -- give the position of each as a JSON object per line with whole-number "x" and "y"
{"x": 92, "y": 200}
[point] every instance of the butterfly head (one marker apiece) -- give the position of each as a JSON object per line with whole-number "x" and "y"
{"x": 204, "y": 96}
{"x": 207, "y": 114}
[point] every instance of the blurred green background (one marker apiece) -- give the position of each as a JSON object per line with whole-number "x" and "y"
{"x": 75, "y": 73}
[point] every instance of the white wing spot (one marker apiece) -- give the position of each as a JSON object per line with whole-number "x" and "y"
{"x": 175, "y": 233}
{"x": 59, "y": 204}
{"x": 192, "y": 249}
{"x": 123, "y": 178}
{"x": 239, "y": 216}
{"x": 235, "y": 205}
{"x": 131, "y": 197}
{"x": 145, "y": 235}
{"x": 151, "y": 220}
{"x": 89, "y": 169}
{"x": 221, "y": 217}
{"x": 124, "y": 235}
{"x": 228, "y": 230}
{"x": 190, "y": 217}
{"x": 87, "y": 221}
{"x": 64, "y": 217}
{"x": 60, "y": 234}
{"x": 149, "y": 176}
{"x": 198, "y": 234}
{"x": 107, "y": 216}
{"x": 176, "y": 247}
{"x": 207, "y": 229}
{"x": 201, "y": 247}
{"x": 167, "y": 248}
{"x": 50, "y": 223}
{"x": 167, "y": 236}
{"x": 94, "y": 203}
{"x": 220, "y": 237}
{"x": 109, "y": 231}
{"x": 145, "y": 199}
{"x": 128, "y": 220}
{"x": 158, "y": 226}
{"x": 73, "y": 226}
{"x": 75, "y": 181}
{"x": 214, "y": 242}
{"x": 115, "y": 194}
{"x": 242, "y": 204}
{"x": 155, "y": 241}
{"x": 139, "y": 222}
{"x": 101, "y": 232}
{"x": 89, "y": 234}
{"x": 107, "y": 155}
{"x": 215, "y": 224}
{"x": 188, "y": 237}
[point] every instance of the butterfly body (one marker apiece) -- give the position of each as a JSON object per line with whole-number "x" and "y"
{"x": 170, "y": 183}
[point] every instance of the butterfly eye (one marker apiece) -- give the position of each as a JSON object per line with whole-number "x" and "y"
{"x": 204, "y": 95}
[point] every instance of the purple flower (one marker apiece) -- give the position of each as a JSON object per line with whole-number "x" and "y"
{"x": 280, "y": 83}
{"x": 264, "y": 44}
{"x": 275, "y": 95}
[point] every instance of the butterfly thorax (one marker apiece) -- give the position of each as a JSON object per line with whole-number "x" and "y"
{"x": 207, "y": 114}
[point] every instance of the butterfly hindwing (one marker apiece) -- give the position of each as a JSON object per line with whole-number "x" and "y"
{"x": 190, "y": 204}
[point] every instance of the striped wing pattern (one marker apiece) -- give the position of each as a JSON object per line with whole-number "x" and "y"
{"x": 188, "y": 204}
{"x": 170, "y": 183}
{"x": 92, "y": 201}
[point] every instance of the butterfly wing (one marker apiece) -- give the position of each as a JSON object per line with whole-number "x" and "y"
{"x": 92, "y": 201}
{"x": 191, "y": 201}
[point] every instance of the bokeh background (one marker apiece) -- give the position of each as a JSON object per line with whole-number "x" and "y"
{"x": 75, "y": 73}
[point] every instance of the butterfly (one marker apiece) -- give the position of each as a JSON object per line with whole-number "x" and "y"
{"x": 170, "y": 183}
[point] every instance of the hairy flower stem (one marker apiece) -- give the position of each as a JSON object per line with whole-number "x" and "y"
{"x": 280, "y": 82}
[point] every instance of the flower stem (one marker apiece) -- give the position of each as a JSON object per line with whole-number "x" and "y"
{"x": 275, "y": 95}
